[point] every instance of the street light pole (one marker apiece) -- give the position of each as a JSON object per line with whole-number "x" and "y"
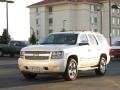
{"x": 64, "y": 23}
{"x": 7, "y": 17}
{"x": 7, "y": 14}
{"x": 110, "y": 33}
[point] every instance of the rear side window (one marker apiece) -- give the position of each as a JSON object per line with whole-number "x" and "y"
{"x": 101, "y": 39}
{"x": 83, "y": 39}
{"x": 92, "y": 39}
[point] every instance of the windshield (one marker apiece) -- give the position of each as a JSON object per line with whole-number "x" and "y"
{"x": 61, "y": 39}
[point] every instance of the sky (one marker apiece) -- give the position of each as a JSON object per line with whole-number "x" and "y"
{"x": 19, "y": 18}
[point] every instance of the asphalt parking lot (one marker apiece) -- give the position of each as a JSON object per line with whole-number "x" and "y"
{"x": 11, "y": 79}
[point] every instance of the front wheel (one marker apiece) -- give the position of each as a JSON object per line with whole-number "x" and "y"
{"x": 29, "y": 75}
{"x": 71, "y": 70}
{"x": 101, "y": 67}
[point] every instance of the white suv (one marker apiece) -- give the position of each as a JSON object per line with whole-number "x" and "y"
{"x": 66, "y": 53}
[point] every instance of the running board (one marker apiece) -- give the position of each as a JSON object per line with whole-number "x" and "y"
{"x": 87, "y": 68}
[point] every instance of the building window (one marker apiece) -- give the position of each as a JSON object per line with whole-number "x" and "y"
{"x": 113, "y": 20}
{"x": 113, "y": 10}
{"x": 37, "y": 21}
{"x": 95, "y": 30}
{"x": 93, "y": 20}
{"x": 37, "y": 10}
{"x": 118, "y": 21}
{"x": 118, "y": 11}
{"x": 50, "y": 21}
{"x": 93, "y": 8}
{"x": 50, "y": 10}
{"x": 50, "y": 31}
{"x": 37, "y": 33}
{"x": 113, "y": 32}
{"x": 116, "y": 32}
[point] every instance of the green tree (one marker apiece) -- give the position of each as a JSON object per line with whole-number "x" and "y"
{"x": 5, "y": 38}
{"x": 63, "y": 30}
{"x": 50, "y": 31}
{"x": 33, "y": 39}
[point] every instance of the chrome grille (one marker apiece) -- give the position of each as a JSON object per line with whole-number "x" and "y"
{"x": 37, "y": 55}
{"x": 37, "y": 52}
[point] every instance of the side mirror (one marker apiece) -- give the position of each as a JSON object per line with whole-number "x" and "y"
{"x": 80, "y": 44}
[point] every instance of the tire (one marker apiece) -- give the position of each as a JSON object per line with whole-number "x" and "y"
{"x": 1, "y": 53}
{"x": 29, "y": 75}
{"x": 101, "y": 67}
{"x": 71, "y": 70}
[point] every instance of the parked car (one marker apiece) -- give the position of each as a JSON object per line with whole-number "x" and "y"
{"x": 12, "y": 48}
{"x": 66, "y": 53}
{"x": 115, "y": 50}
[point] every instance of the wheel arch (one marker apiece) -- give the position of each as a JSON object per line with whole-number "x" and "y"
{"x": 73, "y": 56}
{"x": 66, "y": 75}
{"x": 68, "y": 58}
{"x": 104, "y": 55}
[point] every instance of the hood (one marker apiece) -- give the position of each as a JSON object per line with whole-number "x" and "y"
{"x": 50, "y": 47}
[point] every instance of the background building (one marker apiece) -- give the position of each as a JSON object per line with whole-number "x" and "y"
{"x": 55, "y": 15}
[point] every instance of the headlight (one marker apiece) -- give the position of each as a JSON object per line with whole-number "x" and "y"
{"x": 21, "y": 54}
{"x": 57, "y": 55}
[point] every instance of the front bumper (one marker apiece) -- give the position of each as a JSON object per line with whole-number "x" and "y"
{"x": 36, "y": 66}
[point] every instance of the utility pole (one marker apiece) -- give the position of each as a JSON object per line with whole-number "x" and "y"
{"x": 110, "y": 33}
{"x": 7, "y": 13}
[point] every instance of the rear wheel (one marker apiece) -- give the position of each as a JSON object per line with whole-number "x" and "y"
{"x": 71, "y": 70}
{"x": 29, "y": 75}
{"x": 1, "y": 53}
{"x": 101, "y": 67}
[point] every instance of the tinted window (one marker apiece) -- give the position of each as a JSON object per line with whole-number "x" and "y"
{"x": 22, "y": 43}
{"x": 13, "y": 43}
{"x": 92, "y": 39}
{"x": 18, "y": 43}
{"x": 61, "y": 39}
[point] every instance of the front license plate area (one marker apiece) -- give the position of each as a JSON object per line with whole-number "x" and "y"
{"x": 35, "y": 69}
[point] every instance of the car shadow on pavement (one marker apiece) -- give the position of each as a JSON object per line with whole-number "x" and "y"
{"x": 10, "y": 76}
{"x": 17, "y": 80}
